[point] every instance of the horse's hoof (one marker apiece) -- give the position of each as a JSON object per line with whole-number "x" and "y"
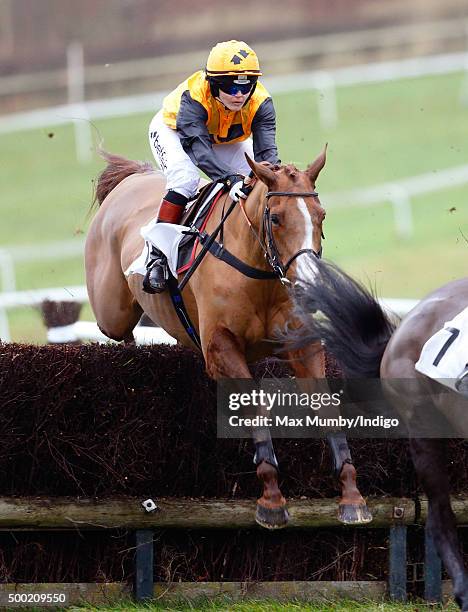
{"x": 272, "y": 518}
{"x": 350, "y": 514}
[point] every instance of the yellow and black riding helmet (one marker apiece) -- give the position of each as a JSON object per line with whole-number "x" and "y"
{"x": 232, "y": 66}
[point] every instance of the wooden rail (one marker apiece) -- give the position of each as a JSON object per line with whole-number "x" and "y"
{"x": 114, "y": 592}
{"x": 178, "y": 513}
{"x": 187, "y": 513}
{"x": 395, "y": 514}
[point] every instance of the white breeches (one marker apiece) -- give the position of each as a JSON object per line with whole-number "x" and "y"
{"x": 181, "y": 173}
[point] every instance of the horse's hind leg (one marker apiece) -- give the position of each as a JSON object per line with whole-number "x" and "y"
{"x": 429, "y": 458}
{"x": 225, "y": 359}
{"x": 116, "y": 310}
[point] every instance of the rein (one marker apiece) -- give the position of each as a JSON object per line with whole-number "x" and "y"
{"x": 267, "y": 244}
{"x": 206, "y": 245}
{"x": 209, "y": 243}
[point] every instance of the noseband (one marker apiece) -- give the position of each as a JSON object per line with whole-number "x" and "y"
{"x": 271, "y": 250}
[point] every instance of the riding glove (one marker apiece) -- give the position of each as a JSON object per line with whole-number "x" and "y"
{"x": 237, "y": 191}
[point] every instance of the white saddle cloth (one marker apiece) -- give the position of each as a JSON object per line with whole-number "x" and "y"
{"x": 166, "y": 237}
{"x": 445, "y": 354}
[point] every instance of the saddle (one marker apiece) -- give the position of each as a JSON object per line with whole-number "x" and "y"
{"x": 196, "y": 217}
{"x": 196, "y": 203}
{"x": 179, "y": 243}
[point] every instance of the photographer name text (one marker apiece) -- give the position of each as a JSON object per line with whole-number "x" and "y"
{"x": 312, "y": 421}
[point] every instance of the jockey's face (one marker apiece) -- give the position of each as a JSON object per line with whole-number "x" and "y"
{"x": 235, "y": 102}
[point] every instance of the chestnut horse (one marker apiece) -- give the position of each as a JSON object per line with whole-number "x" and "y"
{"x": 236, "y": 317}
{"x": 364, "y": 341}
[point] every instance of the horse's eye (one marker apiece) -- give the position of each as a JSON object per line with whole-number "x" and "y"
{"x": 275, "y": 220}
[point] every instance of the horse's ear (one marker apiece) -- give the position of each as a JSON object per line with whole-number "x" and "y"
{"x": 316, "y": 166}
{"x": 263, "y": 173}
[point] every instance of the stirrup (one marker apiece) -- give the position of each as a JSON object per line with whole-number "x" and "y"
{"x": 157, "y": 266}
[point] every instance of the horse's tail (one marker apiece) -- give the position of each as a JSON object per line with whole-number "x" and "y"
{"x": 117, "y": 169}
{"x": 353, "y": 328}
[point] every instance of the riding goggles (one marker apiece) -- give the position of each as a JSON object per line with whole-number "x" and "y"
{"x": 231, "y": 87}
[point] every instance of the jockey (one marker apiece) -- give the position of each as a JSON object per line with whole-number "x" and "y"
{"x": 205, "y": 124}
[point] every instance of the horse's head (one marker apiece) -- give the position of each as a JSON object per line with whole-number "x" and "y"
{"x": 293, "y": 216}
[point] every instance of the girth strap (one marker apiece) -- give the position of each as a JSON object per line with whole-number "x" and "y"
{"x": 181, "y": 311}
{"x": 218, "y": 251}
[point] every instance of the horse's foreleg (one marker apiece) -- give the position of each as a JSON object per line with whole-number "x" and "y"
{"x": 225, "y": 358}
{"x": 271, "y": 507}
{"x": 430, "y": 464}
{"x": 352, "y": 507}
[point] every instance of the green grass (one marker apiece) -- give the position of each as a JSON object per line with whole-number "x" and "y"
{"x": 268, "y": 606}
{"x": 385, "y": 132}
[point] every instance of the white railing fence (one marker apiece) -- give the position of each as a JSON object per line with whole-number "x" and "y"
{"x": 397, "y": 193}
{"x": 79, "y": 112}
{"x": 87, "y": 330}
{"x": 325, "y": 83}
{"x": 413, "y": 38}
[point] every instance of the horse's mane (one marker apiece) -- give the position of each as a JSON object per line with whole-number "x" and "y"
{"x": 117, "y": 169}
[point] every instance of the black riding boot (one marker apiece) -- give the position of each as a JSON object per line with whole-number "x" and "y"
{"x": 157, "y": 272}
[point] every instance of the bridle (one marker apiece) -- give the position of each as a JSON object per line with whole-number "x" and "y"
{"x": 268, "y": 242}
